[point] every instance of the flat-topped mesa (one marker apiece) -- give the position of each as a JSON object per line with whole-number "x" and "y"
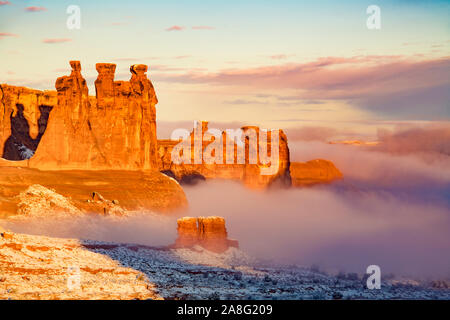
{"x": 208, "y": 232}
{"x": 115, "y": 130}
{"x": 313, "y": 172}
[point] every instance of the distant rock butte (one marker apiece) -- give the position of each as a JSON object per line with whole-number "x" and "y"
{"x": 313, "y": 172}
{"x": 208, "y": 232}
{"x": 249, "y": 174}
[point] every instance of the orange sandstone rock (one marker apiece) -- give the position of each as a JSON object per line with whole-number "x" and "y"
{"x": 23, "y": 119}
{"x": 7, "y": 235}
{"x": 313, "y": 172}
{"x": 246, "y": 171}
{"x": 208, "y": 232}
{"x": 187, "y": 232}
{"x": 117, "y": 130}
{"x": 67, "y": 129}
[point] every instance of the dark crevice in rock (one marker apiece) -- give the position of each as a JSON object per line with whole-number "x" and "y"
{"x": 20, "y": 145}
{"x": 192, "y": 179}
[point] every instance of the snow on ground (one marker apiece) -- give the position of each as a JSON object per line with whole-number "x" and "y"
{"x": 38, "y": 201}
{"x": 200, "y": 274}
{"x": 35, "y": 267}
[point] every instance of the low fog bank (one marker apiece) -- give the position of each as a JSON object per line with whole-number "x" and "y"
{"x": 140, "y": 227}
{"x": 338, "y": 232}
{"x": 391, "y": 209}
{"x": 406, "y": 177}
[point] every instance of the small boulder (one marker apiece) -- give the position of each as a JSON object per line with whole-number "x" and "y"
{"x": 97, "y": 197}
{"x": 7, "y": 235}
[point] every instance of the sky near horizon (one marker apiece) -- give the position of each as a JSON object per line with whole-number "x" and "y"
{"x": 273, "y": 63}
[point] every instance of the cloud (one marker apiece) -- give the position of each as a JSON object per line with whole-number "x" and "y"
{"x": 4, "y": 3}
{"x": 202, "y": 28}
{"x": 334, "y": 77}
{"x": 243, "y": 101}
{"x": 429, "y": 142}
{"x": 309, "y": 133}
{"x": 335, "y": 228}
{"x": 182, "y": 57}
{"x": 140, "y": 227}
{"x": 6, "y": 34}
{"x": 35, "y": 9}
{"x": 394, "y": 85}
{"x": 280, "y": 56}
{"x": 175, "y": 28}
{"x": 56, "y": 40}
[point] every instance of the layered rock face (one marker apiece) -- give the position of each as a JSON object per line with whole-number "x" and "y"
{"x": 115, "y": 130}
{"x": 208, "y": 232}
{"x": 313, "y": 172}
{"x": 228, "y": 166}
{"x": 24, "y": 115}
{"x": 130, "y": 190}
{"x": 43, "y": 268}
{"x": 123, "y": 120}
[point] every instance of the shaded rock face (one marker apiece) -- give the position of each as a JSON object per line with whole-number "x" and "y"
{"x": 248, "y": 173}
{"x": 208, "y": 232}
{"x": 24, "y": 114}
{"x": 20, "y": 145}
{"x": 114, "y": 130}
{"x": 313, "y": 172}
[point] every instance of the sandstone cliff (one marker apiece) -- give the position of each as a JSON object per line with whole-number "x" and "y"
{"x": 68, "y": 129}
{"x": 247, "y": 172}
{"x": 208, "y": 232}
{"x": 23, "y": 119}
{"x": 313, "y": 172}
{"x": 42, "y": 268}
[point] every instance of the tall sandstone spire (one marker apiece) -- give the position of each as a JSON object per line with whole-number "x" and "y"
{"x": 116, "y": 130}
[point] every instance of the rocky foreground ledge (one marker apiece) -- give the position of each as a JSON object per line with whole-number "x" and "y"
{"x": 88, "y": 191}
{"x": 37, "y": 267}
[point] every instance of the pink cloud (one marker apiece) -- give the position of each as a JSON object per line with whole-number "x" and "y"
{"x": 6, "y": 34}
{"x": 335, "y": 77}
{"x": 35, "y": 9}
{"x": 175, "y": 28}
{"x": 60, "y": 40}
{"x": 4, "y": 3}
{"x": 391, "y": 85}
{"x": 279, "y": 56}
{"x": 203, "y": 28}
{"x": 182, "y": 57}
